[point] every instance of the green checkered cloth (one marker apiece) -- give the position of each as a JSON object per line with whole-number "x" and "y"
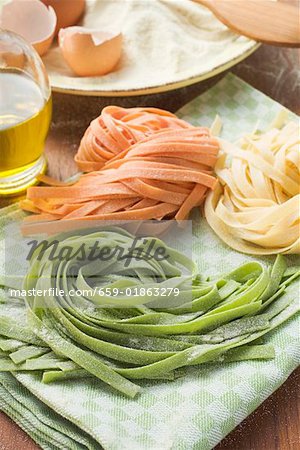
{"x": 192, "y": 412}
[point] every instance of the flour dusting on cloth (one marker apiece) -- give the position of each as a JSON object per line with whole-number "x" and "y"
{"x": 165, "y": 41}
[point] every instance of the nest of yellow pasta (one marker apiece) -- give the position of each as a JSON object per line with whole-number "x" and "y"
{"x": 255, "y": 208}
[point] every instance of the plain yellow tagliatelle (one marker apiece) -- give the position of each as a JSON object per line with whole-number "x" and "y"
{"x": 255, "y": 207}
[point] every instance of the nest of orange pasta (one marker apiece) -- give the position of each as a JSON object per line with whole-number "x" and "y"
{"x": 144, "y": 164}
{"x": 116, "y": 129}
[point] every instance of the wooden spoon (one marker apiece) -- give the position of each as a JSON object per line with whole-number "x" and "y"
{"x": 266, "y": 21}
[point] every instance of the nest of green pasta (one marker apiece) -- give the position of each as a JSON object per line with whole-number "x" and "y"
{"x": 121, "y": 338}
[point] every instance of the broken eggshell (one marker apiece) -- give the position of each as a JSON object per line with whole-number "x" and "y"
{"x": 32, "y": 20}
{"x": 68, "y": 13}
{"x": 90, "y": 52}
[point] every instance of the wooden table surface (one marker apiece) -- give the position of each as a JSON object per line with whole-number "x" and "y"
{"x": 275, "y": 425}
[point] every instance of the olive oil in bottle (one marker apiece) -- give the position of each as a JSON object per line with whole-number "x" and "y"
{"x": 24, "y": 122}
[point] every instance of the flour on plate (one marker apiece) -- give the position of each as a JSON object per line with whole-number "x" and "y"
{"x": 165, "y": 41}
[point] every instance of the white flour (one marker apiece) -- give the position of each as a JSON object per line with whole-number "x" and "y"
{"x": 164, "y": 41}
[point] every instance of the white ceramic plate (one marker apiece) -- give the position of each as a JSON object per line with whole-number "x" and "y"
{"x": 167, "y": 44}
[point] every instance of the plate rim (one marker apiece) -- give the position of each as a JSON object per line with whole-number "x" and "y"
{"x": 162, "y": 88}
